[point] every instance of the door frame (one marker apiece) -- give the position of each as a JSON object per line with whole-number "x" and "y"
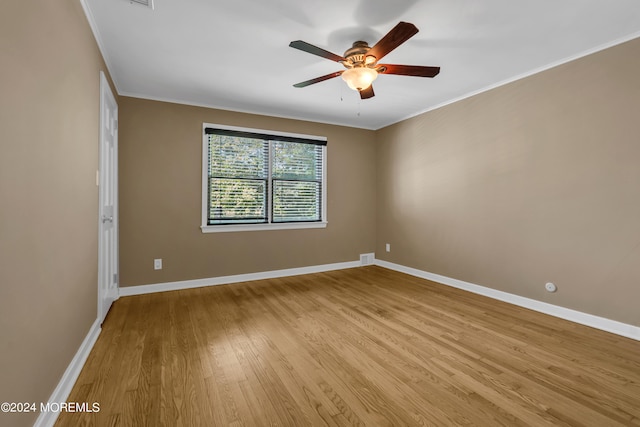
{"x": 106, "y": 298}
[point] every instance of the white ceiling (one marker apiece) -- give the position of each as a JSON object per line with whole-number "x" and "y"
{"x": 234, "y": 55}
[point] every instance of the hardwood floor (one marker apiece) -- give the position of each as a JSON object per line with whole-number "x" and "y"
{"x": 363, "y": 347}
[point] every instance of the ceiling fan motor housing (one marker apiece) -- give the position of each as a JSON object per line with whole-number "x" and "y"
{"x": 356, "y": 56}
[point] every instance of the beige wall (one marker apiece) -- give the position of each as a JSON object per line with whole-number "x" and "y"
{"x": 535, "y": 181}
{"x": 160, "y": 198}
{"x": 530, "y": 182}
{"x": 49, "y": 130}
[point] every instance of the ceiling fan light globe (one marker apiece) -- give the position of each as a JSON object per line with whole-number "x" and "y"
{"x": 359, "y": 78}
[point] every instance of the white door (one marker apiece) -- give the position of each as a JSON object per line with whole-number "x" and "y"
{"x": 108, "y": 190}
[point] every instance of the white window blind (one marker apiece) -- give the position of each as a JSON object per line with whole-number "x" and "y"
{"x": 262, "y": 178}
{"x": 238, "y": 173}
{"x": 296, "y": 181}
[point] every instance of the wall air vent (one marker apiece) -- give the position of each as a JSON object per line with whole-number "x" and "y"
{"x": 146, "y": 3}
{"x": 367, "y": 259}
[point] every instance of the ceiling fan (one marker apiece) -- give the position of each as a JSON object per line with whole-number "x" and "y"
{"x": 361, "y": 61}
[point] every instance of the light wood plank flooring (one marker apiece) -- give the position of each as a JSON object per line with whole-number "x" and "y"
{"x": 359, "y": 347}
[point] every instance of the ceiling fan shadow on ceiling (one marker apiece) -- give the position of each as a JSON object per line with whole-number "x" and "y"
{"x": 361, "y": 61}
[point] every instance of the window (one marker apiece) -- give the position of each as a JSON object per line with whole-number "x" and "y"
{"x": 255, "y": 180}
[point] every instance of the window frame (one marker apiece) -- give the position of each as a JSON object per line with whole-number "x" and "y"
{"x": 221, "y": 228}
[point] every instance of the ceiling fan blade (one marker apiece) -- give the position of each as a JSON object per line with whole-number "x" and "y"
{"x": 367, "y": 93}
{"x": 318, "y": 79}
{"x": 394, "y": 38}
{"x": 315, "y": 50}
{"x": 408, "y": 70}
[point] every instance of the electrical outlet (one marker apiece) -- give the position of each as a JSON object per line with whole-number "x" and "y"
{"x": 157, "y": 264}
{"x": 388, "y": 247}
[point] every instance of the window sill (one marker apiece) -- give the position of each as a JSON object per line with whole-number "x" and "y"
{"x": 262, "y": 227}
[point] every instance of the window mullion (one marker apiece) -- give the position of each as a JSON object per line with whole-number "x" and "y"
{"x": 270, "y": 184}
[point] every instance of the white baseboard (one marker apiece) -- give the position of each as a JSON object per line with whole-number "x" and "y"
{"x": 61, "y": 393}
{"x": 225, "y": 280}
{"x": 608, "y": 325}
